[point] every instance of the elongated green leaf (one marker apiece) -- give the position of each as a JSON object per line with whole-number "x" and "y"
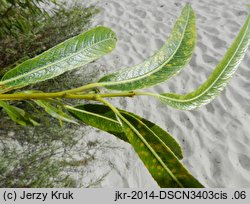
{"x": 100, "y": 117}
{"x": 18, "y": 115}
{"x": 54, "y": 112}
{"x": 218, "y": 79}
{"x": 168, "y": 61}
{"x": 66, "y": 56}
{"x": 158, "y": 132}
{"x": 160, "y": 161}
{"x": 103, "y": 118}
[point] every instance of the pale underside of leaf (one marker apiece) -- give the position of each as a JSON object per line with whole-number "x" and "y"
{"x": 217, "y": 80}
{"x": 70, "y": 54}
{"x": 103, "y": 118}
{"x": 167, "y": 62}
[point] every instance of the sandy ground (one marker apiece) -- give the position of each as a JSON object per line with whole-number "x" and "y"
{"x": 215, "y": 138}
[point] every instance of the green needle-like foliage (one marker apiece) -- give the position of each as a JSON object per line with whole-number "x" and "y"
{"x": 157, "y": 149}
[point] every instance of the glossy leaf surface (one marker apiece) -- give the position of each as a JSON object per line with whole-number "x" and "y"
{"x": 160, "y": 161}
{"x": 103, "y": 118}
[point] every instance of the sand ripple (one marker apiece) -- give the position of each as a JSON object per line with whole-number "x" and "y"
{"x": 215, "y": 138}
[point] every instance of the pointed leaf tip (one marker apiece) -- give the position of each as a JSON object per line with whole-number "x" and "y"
{"x": 165, "y": 63}
{"x": 160, "y": 161}
{"x": 218, "y": 79}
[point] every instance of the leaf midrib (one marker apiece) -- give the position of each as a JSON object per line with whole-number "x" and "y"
{"x": 140, "y": 136}
{"x": 96, "y": 115}
{"x": 150, "y": 130}
{"x": 151, "y": 150}
{"x": 154, "y": 70}
{"x": 217, "y": 78}
{"x": 49, "y": 65}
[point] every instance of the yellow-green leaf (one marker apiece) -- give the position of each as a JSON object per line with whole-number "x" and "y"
{"x": 55, "y": 112}
{"x": 66, "y": 56}
{"x": 18, "y": 115}
{"x": 102, "y": 117}
{"x": 218, "y": 79}
{"x": 160, "y": 161}
{"x": 167, "y": 62}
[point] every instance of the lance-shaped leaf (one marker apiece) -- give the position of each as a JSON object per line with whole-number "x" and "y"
{"x": 160, "y": 161}
{"x": 218, "y": 79}
{"x": 102, "y": 117}
{"x": 98, "y": 116}
{"x": 167, "y": 62}
{"x": 66, "y": 56}
{"x": 18, "y": 115}
{"x": 54, "y": 111}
